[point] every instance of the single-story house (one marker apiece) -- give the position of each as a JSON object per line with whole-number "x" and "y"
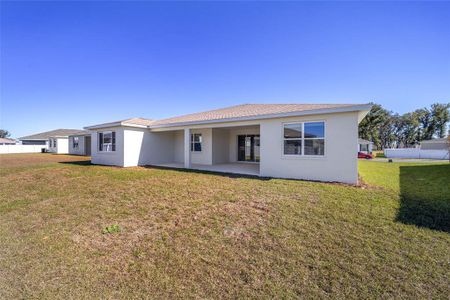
{"x": 43, "y": 137}
{"x": 58, "y": 141}
{"x": 365, "y": 146}
{"x": 435, "y": 144}
{"x": 80, "y": 143}
{"x": 7, "y": 141}
{"x": 298, "y": 141}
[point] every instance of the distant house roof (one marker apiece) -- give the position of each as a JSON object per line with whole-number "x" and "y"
{"x": 52, "y": 133}
{"x": 80, "y": 132}
{"x": 362, "y": 141}
{"x": 7, "y": 141}
{"x": 441, "y": 140}
{"x": 238, "y": 113}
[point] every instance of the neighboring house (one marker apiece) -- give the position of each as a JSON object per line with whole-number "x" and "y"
{"x": 58, "y": 142}
{"x": 365, "y": 146}
{"x": 43, "y": 137}
{"x": 435, "y": 144}
{"x": 80, "y": 143}
{"x": 299, "y": 141}
{"x": 6, "y": 141}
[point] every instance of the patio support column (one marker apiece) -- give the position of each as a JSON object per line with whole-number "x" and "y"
{"x": 187, "y": 148}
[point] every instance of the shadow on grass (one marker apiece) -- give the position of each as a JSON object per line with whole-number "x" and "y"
{"x": 425, "y": 196}
{"x": 78, "y": 163}
{"x": 229, "y": 175}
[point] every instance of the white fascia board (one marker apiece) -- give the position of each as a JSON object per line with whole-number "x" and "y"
{"x": 22, "y": 139}
{"x": 363, "y": 108}
{"x": 84, "y": 134}
{"x": 116, "y": 124}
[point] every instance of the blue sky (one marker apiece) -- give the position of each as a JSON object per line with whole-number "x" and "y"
{"x": 72, "y": 64}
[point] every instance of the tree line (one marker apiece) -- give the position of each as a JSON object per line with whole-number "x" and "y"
{"x": 391, "y": 130}
{"x": 4, "y": 133}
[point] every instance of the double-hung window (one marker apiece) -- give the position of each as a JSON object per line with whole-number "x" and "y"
{"x": 54, "y": 143}
{"x": 75, "y": 142}
{"x": 196, "y": 142}
{"x": 107, "y": 141}
{"x": 304, "y": 139}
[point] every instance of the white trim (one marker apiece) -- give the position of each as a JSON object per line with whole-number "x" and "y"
{"x": 114, "y": 124}
{"x": 21, "y": 139}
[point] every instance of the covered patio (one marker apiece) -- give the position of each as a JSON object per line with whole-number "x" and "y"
{"x": 232, "y": 168}
{"x": 226, "y": 149}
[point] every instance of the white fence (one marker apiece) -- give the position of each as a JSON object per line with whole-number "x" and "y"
{"x": 416, "y": 153}
{"x": 21, "y": 148}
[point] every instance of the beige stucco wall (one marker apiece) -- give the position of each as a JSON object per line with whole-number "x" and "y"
{"x": 143, "y": 147}
{"x": 220, "y": 145}
{"x": 81, "y": 150}
{"x": 203, "y": 157}
{"x": 113, "y": 158}
{"x": 62, "y": 145}
{"x": 339, "y": 162}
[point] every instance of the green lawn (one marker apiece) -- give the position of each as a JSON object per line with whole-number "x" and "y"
{"x": 194, "y": 235}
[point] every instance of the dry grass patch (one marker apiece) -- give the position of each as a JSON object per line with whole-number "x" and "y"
{"x": 194, "y": 235}
{"x": 32, "y": 159}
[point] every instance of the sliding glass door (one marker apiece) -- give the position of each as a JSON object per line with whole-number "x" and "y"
{"x": 248, "y": 148}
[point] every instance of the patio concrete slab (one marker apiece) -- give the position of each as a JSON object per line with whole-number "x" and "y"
{"x": 234, "y": 168}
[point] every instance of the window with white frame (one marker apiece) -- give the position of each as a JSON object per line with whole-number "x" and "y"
{"x": 307, "y": 138}
{"x": 196, "y": 142}
{"x": 107, "y": 141}
{"x": 75, "y": 142}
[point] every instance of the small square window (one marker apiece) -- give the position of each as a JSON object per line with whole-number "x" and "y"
{"x": 314, "y": 130}
{"x": 293, "y": 147}
{"x": 314, "y": 147}
{"x": 292, "y": 131}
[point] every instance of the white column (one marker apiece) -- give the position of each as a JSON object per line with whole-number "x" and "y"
{"x": 187, "y": 148}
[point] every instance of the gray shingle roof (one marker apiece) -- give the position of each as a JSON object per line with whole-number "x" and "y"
{"x": 47, "y": 134}
{"x": 247, "y": 110}
{"x": 232, "y": 113}
{"x": 363, "y": 141}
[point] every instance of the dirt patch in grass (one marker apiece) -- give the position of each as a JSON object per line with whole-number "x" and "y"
{"x": 194, "y": 235}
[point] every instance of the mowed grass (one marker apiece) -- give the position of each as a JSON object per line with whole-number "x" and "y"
{"x": 195, "y": 235}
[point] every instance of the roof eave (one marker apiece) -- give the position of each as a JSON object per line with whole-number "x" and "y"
{"x": 362, "y": 107}
{"x": 27, "y": 139}
{"x": 114, "y": 124}
{"x": 80, "y": 134}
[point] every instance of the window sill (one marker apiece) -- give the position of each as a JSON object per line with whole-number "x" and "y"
{"x": 303, "y": 157}
{"x": 106, "y": 152}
